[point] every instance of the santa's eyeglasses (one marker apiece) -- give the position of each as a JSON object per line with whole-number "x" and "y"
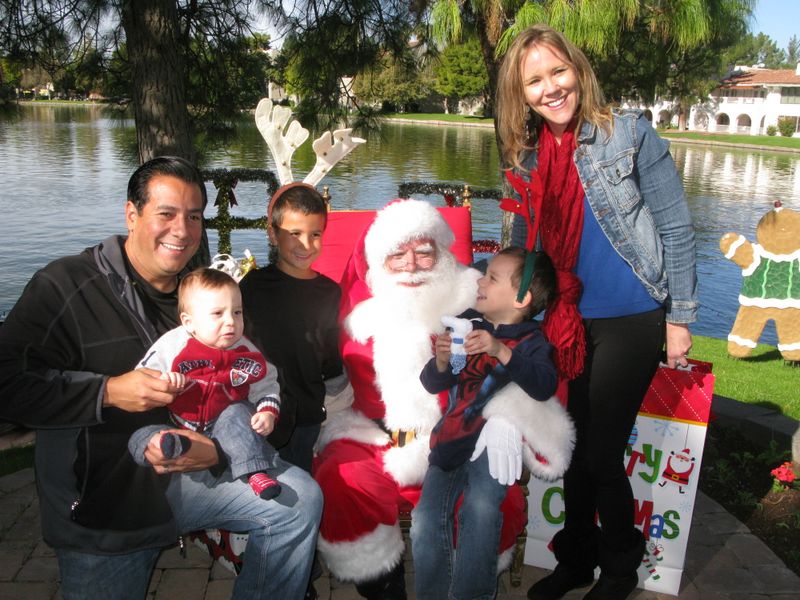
{"x": 422, "y": 258}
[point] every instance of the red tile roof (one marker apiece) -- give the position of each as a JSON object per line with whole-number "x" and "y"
{"x": 759, "y": 77}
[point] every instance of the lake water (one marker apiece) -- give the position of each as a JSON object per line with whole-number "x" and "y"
{"x": 64, "y": 171}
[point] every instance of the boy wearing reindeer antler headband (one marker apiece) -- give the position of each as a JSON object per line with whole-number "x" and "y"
{"x": 291, "y": 310}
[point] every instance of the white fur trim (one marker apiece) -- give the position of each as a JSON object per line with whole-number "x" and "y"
{"x": 408, "y": 464}
{"x": 789, "y": 347}
{"x": 504, "y": 559}
{"x": 351, "y": 425}
{"x": 546, "y": 428}
{"x": 401, "y": 222}
{"x": 366, "y": 558}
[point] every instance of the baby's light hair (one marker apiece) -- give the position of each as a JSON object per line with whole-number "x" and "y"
{"x": 202, "y": 278}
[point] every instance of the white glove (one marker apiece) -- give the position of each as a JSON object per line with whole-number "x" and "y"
{"x": 503, "y": 444}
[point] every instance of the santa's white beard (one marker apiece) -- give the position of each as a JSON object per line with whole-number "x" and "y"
{"x": 401, "y": 319}
{"x": 420, "y": 296}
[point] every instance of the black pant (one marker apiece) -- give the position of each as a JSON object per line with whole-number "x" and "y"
{"x": 622, "y": 355}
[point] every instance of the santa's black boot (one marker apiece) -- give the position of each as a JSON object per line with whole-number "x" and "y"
{"x": 389, "y": 586}
{"x": 618, "y": 566}
{"x": 577, "y": 558}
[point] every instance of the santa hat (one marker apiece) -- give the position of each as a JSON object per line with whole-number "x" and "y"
{"x": 403, "y": 221}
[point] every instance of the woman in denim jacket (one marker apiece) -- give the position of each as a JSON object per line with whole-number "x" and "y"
{"x": 610, "y": 210}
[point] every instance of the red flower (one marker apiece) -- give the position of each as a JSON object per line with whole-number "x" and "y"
{"x": 784, "y": 473}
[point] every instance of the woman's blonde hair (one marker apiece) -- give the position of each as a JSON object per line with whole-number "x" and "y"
{"x": 516, "y": 133}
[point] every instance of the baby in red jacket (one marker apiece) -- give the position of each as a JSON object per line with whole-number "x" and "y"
{"x": 217, "y": 369}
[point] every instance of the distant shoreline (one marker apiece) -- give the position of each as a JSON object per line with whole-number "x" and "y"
{"x": 672, "y": 137}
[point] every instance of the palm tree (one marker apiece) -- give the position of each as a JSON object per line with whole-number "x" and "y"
{"x": 594, "y": 25}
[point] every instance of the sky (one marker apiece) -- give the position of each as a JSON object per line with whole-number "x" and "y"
{"x": 779, "y": 19}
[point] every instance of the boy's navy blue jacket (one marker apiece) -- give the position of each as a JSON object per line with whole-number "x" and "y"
{"x": 530, "y": 367}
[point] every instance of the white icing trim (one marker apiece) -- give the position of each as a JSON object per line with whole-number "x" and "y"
{"x": 741, "y": 341}
{"x": 782, "y": 303}
{"x": 735, "y": 246}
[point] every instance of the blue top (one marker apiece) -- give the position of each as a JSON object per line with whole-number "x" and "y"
{"x": 610, "y": 288}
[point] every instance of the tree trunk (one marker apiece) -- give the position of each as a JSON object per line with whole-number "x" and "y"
{"x": 492, "y": 66}
{"x": 152, "y": 32}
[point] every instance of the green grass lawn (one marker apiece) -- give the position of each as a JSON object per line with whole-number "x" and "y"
{"x": 763, "y": 378}
{"x": 728, "y": 138}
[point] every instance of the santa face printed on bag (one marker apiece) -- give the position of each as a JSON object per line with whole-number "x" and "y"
{"x": 679, "y": 467}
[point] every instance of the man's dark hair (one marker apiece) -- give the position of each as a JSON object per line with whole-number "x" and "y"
{"x": 172, "y": 166}
{"x": 543, "y": 287}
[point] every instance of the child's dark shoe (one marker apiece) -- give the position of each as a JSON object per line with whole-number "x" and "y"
{"x": 174, "y": 445}
{"x": 559, "y": 582}
{"x": 612, "y": 588}
{"x": 264, "y": 486}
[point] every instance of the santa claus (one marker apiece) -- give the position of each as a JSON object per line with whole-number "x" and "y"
{"x": 373, "y": 456}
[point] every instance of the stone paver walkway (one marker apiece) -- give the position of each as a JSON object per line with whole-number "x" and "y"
{"x": 724, "y": 561}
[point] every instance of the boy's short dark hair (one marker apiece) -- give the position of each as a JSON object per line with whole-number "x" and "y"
{"x": 543, "y": 286}
{"x": 301, "y": 198}
{"x": 203, "y": 278}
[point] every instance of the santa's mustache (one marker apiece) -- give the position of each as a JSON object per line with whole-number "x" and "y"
{"x": 406, "y": 278}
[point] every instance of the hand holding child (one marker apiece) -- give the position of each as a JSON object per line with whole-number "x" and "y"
{"x": 176, "y": 379}
{"x": 263, "y": 422}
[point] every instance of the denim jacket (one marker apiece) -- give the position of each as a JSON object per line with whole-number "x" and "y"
{"x": 635, "y": 192}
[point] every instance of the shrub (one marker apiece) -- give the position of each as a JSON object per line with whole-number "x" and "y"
{"x": 772, "y": 130}
{"x": 786, "y": 126}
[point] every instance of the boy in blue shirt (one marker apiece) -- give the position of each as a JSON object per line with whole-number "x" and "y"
{"x": 474, "y": 455}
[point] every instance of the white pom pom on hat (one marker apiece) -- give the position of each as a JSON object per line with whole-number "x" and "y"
{"x": 402, "y": 221}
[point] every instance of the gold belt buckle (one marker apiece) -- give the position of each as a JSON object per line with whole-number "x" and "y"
{"x": 400, "y": 437}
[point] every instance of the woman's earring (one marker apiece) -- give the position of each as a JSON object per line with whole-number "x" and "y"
{"x": 529, "y": 114}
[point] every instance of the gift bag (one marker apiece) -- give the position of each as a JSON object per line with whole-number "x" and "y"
{"x": 663, "y": 462}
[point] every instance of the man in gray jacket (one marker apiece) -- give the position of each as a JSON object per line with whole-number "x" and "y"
{"x": 67, "y": 355}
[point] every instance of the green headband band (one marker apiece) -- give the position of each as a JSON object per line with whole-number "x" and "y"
{"x": 527, "y": 275}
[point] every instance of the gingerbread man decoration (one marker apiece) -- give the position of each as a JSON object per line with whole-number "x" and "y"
{"x": 771, "y": 285}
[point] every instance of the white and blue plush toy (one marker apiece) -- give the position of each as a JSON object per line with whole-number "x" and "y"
{"x": 460, "y": 329}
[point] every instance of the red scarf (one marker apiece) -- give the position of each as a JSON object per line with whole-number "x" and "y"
{"x": 560, "y": 228}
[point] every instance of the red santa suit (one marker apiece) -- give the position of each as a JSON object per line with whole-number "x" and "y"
{"x": 372, "y": 457}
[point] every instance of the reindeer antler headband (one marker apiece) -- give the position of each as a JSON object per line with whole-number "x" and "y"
{"x": 271, "y": 121}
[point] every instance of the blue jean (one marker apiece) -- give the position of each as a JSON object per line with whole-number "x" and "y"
{"x": 247, "y": 451}
{"x": 280, "y": 547}
{"x": 470, "y": 569}
{"x": 100, "y": 577}
{"x": 282, "y": 532}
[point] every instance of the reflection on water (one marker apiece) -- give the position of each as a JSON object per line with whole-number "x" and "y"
{"x": 64, "y": 170}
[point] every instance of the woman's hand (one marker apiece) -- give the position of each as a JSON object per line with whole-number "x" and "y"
{"x": 679, "y": 342}
{"x": 201, "y": 455}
